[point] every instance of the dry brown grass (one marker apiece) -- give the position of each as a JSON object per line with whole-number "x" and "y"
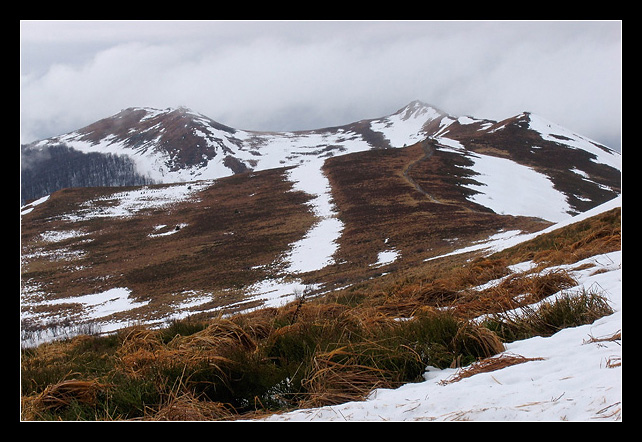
{"x": 335, "y": 382}
{"x": 220, "y": 335}
{"x": 63, "y": 393}
{"x": 187, "y": 407}
{"x": 488, "y": 365}
{"x": 596, "y": 235}
{"x": 236, "y": 230}
{"x": 454, "y": 283}
{"x": 515, "y": 291}
{"x": 139, "y": 350}
{"x": 617, "y": 336}
{"x": 143, "y": 354}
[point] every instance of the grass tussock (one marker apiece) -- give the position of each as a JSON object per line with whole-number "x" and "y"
{"x": 569, "y": 309}
{"x": 231, "y": 367}
{"x": 515, "y": 291}
{"x": 64, "y": 393}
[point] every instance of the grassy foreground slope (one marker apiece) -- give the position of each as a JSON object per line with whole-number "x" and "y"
{"x": 322, "y": 350}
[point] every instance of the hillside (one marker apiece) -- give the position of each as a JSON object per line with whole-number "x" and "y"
{"x": 557, "y": 292}
{"x": 318, "y": 210}
{"x": 180, "y": 145}
{"x": 572, "y": 375}
{"x": 325, "y": 246}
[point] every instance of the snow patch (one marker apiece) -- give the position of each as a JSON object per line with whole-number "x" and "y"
{"x": 552, "y": 132}
{"x": 128, "y": 203}
{"x": 405, "y": 128}
{"x": 386, "y": 257}
{"x": 99, "y": 305}
{"x": 29, "y": 207}
{"x": 315, "y": 250}
{"x": 503, "y": 184}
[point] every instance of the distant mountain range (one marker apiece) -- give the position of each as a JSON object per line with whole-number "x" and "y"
{"x": 144, "y": 146}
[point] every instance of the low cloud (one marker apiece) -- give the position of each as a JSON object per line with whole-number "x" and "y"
{"x": 304, "y": 75}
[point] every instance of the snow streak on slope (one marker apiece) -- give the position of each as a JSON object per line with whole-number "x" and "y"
{"x": 29, "y": 207}
{"x": 312, "y": 252}
{"x": 315, "y": 250}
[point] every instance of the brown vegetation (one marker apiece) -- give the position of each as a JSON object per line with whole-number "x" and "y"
{"x": 235, "y": 231}
{"x": 318, "y": 350}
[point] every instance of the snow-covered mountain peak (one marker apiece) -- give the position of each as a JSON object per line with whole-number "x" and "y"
{"x": 553, "y": 132}
{"x": 418, "y": 109}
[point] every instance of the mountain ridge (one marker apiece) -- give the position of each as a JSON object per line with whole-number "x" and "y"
{"x": 178, "y": 144}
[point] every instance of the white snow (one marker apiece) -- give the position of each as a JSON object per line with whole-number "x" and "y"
{"x": 166, "y": 232}
{"x": 95, "y": 312}
{"x": 315, "y": 250}
{"x": 405, "y": 128}
{"x": 509, "y": 188}
{"x": 61, "y": 235}
{"x": 29, "y": 207}
{"x": 386, "y": 257}
{"x": 552, "y": 132}
{"x": 276, "y": 292}
{"x": 451, "y": 144}
{"x": 99, "y": 305}
{"x": 128, "y": 203}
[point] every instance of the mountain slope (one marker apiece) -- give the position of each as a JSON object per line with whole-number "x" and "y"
{"x": 313, "y": 211}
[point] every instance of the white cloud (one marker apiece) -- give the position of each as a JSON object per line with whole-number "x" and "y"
{"x": 298, "y": 75}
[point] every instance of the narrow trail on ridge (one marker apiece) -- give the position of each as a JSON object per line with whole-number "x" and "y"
{"x": 428, "y": 147}
{"x": 429, "y": 150}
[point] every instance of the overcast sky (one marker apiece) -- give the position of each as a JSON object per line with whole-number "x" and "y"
{"x": 294, "y": 75}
